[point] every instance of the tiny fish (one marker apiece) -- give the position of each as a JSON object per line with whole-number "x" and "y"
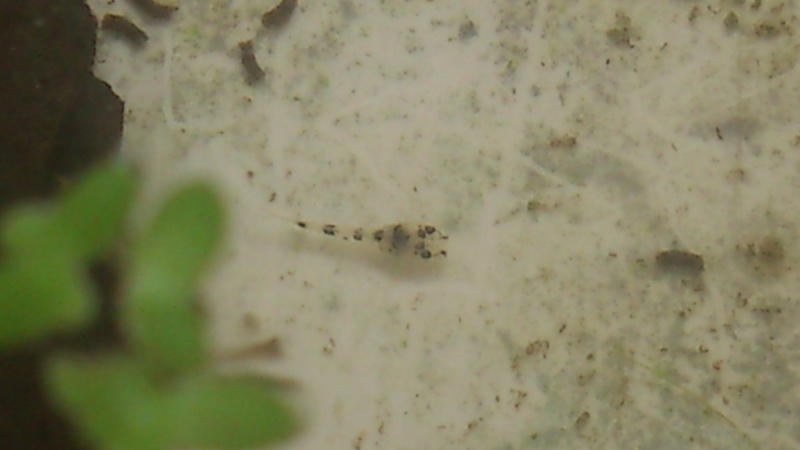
{"x": 421, "y": 240}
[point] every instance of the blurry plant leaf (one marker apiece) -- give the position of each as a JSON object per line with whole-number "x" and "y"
{"x": 82, "y": 224}
{"x": 92, "y": 211}
{"x": 29, "y": 229}
{"x": 231, "y": 414}
{"x": 117, "y": 405}
{"x": 165, "y": 267}
{"x": 42, "y": 285}
{"x": 171, "y": 335}
{"x": 112, "y": 402}
{"x": 180, "y": 240}
{"x": 162, "y": 401}
{"x": 39, "y": 296}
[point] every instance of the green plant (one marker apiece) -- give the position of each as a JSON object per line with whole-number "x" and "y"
{"x": 160, "y": 393}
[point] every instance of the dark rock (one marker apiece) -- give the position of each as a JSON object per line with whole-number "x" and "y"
{"x": 56, "y": 119}
{"x": 47, "y": 49}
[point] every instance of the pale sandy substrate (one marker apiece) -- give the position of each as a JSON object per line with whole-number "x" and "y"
{"x": 562, "y": 145}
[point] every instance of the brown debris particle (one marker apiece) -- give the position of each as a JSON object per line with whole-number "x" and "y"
{"x": 768, "y": 250}
{"x": 680, "y": 261}
{"x": 252, "y": 70}
{"x": 769, "y": 30}
{"x": 125, "y": 29}
{"x": 250, "y": 322}
{"x": 467, "y": 30}
{"x": 582, "y": 420}
{"x": 329, "y": 348}
{"x": 565, "y": 141}
{"x": 153, "y": 9}
{"x": 521, "y": 395}
{"x": 278, "y": 16}
{"x": 538, "y": 347}
{"x": 731, "y": 21}
{"x": 473, "y": 424}
{"x": 621, "y": 33}
{"x": 765, "y": 256}
{"x": 694, "y": 13}
{"x": 271, "y": 349}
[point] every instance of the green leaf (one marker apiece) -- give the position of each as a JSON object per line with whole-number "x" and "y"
{"x": 42, "y": 285}
{"x": 91, "y": 214}
{"x": 170, "y": 335}
{"x": 165, "y": 268}
{"x": 117, "y": 405}
{"x": 181, "y": 239}
{"x": 39, "y": 296}
{"x": 82, "y": 224}
{"x": 231, "y": 414}
{"x": 112, "y": 402}
{"x": 29, "y": 229}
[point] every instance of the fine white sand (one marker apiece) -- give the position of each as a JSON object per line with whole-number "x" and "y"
{"x": 562, "y": 145}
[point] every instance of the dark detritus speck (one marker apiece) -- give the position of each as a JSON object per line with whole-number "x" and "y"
{"x": 122, "y": 27}
{"x": 278, "y": 16}
{"x": 680, "y": 261}
{"x": 252, "y": 70}
{"x": 154, "y": 10}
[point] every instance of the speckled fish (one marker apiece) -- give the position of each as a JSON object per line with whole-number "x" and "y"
{"x": 421, "y": 240}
